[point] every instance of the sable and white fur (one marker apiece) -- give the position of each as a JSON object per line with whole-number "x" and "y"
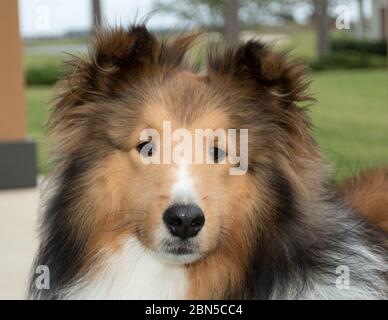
{"x": 278, "y": 232}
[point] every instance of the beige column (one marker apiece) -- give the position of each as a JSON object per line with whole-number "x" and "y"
{"x": 17, "y": 154}
{"x": 12, "y": 100}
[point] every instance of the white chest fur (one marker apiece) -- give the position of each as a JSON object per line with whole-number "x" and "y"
{"x": 134, "y": 273}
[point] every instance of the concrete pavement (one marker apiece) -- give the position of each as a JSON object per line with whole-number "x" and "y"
{"x": 18, "y": 240}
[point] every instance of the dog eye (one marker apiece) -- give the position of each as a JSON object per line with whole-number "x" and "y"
{"x": 146, "y": 149}
{"x": 217, "y": 154}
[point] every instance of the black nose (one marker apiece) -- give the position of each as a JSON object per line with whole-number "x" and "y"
{"x": 184, "y": 221}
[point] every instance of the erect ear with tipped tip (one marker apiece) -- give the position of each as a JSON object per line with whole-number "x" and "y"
{"x": 136, "y": 51}
{"x": 119, "y": 57}
{"x": 255, "y": 65}
{"x": 124, "y": 49}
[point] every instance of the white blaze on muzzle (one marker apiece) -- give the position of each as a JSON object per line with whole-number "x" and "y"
{"x": 183, "y": 190}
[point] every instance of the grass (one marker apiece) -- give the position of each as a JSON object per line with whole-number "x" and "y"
{"x": 38, "y": 99}
{"x": 351, "y": 119}
{"x": 303, "y": 44}
{"x": 41, "y": 60}
{"x": 54, "y": 42}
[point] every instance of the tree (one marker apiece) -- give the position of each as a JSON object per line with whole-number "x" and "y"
{"x": 223, "y": 15}
{"x": 210, "y": 13}
{"x": 319, "y": 18}
{"x": 322, "y": 27}
{"x": 386, "y": 27}
{"x": 232, "y": 23}
{"x": 219, "y": 15}
{"x": 362, "y": 18}
{"x": 96, "y": 14}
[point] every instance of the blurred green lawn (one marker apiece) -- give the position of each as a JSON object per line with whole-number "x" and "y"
{"x": 350, "y": 118}
{"x": 38, "y": 100}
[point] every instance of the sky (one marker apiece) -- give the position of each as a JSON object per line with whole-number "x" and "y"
{"x": 55, "y": 17}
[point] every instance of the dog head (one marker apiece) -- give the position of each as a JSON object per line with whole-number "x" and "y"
{"x": 189, "y": 164}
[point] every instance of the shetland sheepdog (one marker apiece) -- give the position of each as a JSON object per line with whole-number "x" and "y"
{"x": 117, "y": 227}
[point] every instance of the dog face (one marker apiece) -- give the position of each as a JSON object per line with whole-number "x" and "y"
{"x": 179, "y": 209}
{"x": 117, "y": 117}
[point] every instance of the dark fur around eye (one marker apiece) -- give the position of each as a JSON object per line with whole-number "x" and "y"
{"x": 146, "y": 148}
{"x": 217, "y": 154}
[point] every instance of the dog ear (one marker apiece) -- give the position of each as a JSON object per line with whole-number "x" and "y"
{"x": 119, "y": 57}
{"x": 115, "y": 57}
{"x": 126, "y": 50}
{"x": 255, "y": 66}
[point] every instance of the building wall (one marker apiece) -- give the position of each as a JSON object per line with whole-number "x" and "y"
{"x": 17, "y": 154}
{"x": 12, "y": 100}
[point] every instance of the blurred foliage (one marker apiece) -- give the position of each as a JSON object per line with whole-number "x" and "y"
{"x": 348, "y": 60}
{"x": 45, "y": 74}
{"x": 377, "y": 47}
{"x": 349, "y": 52}
{"x": 42, "y": 69}
{"x": 211, "y": 13}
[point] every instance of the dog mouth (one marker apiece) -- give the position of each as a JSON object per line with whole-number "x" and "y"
{"x": 180, "y": 247}
{"x": 179, "y": 251}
